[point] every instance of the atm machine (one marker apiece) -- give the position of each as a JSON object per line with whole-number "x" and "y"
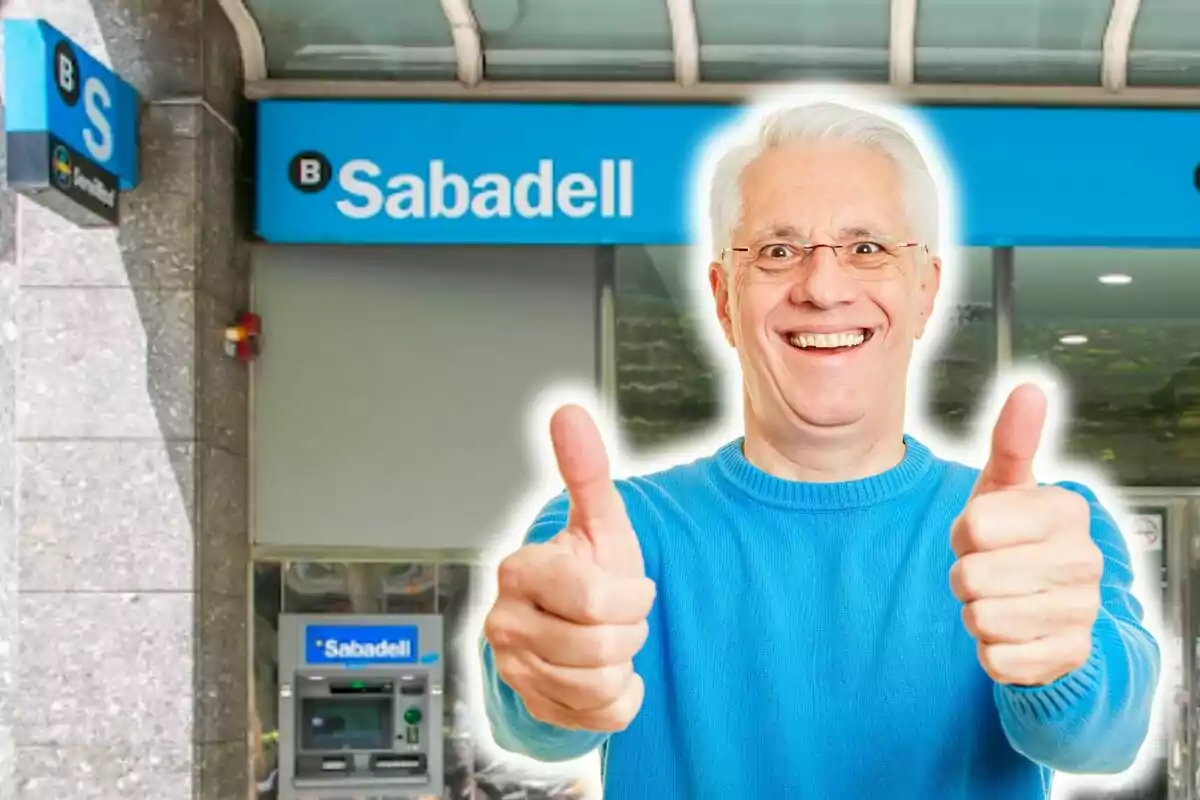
{"x": 360, "y": 707}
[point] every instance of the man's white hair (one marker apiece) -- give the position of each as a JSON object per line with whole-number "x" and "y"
{"x": 826, "y": 122}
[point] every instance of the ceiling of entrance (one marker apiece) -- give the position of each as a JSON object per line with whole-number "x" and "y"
{"x": 1085, "y": 43}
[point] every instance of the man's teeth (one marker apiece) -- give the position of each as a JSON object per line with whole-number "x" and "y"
{"x": 846, "y": 339}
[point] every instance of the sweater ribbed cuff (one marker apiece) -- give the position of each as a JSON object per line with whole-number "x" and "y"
{"x": 1071, "y": 694}
{"x": 515, "y": 730}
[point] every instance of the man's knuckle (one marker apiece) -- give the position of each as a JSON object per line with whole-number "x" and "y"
{"x": 510, "y": 573}
{"x": 991, "y": 659}
{"x": 603, "y": 644}
{"x": 968, "y": 619}
{"x": 971, "y": 576}
{"x": 956, "y": 535}
{"x": 642, "y": 594}
{"x": 625, "y": 710}
{"x": 497, "y": 630}
{"x": 591, "y": 600}
{"x": 540, "y": 710}
{"x": 613, "y": 720}
{"x": 606, "y": 722}
{"x": 1093, "y": 562}
{"x": 978, "y": 619}
{"x": 610, "y": 682}
{"x": 640, "y": 635}
{"x": 1085, "y": 565}
{"x": 620, "y": 721}
{"x": 1074, "y": 508}
{"x": 974, "y": 524}
{"x": 512, "y": 671}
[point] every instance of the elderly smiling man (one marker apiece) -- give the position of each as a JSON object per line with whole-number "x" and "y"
{"x": 823, "y": 608}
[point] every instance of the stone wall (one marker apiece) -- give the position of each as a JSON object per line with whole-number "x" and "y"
{"x": 123, "y": 441}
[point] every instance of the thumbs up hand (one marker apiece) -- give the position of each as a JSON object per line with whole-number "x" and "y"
{"x": 571, "y": 613}
{"x": 1027, "y": 570}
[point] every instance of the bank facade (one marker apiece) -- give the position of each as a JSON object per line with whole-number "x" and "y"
{"x": 422, "y": 262}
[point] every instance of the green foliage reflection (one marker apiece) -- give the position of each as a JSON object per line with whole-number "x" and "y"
{"x": 1135, "y": 386}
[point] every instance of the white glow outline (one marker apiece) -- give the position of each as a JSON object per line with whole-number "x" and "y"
{"x": 1049, "y": 464}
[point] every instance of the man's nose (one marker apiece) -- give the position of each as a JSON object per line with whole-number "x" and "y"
{"x": 823, "y": 281}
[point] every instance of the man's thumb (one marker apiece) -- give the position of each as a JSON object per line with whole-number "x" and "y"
{"x": 1015, "y": 441}
{"x": 598, "y": 513}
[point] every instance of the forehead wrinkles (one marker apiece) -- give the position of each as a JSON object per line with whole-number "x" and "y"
{"x": 826, "y": 188}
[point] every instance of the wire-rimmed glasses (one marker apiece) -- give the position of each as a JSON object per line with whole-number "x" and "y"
{"x": 865, "y": 259}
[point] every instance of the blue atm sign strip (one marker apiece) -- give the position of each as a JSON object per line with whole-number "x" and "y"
{"x": 361, "y": 645}
{"x": 53, "y": 86}
{"x": 349, "y": 172}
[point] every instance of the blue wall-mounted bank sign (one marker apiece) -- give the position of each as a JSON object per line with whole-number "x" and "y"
{"x": 71, "y": 124}
{"x": 361, "y": 645}
{"x": 541, "y": 173}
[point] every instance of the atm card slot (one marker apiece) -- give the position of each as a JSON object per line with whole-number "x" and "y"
{"x": 360, "y": 687}
{"x": 398, "y": 764}
{"x": 320, "y": 766}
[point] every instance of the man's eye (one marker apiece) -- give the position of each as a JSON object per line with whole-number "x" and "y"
{"x": 777, "y": 251}
{"x": 866, "y": 248}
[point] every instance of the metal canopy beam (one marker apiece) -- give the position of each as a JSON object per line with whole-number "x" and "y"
{"x": 468, "y": 46}
{"x": 902, "y": 43}
{"x": 1114, "y": 56}
{"x": 616, "y": 92}
{"x": 249, "y": 39}
{"x": 685, "y": 41}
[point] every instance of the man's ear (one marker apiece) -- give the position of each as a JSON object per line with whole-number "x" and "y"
{"x": 718, "y": 279}
{"x": 930, "y": 282}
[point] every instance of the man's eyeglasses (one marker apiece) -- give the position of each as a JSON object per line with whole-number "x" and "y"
{"x": 866, "y": 260}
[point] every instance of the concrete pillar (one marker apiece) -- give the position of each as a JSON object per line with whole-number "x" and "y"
{"x": 123, "y": 442}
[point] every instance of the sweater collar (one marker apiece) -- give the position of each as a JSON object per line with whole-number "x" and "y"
{"x": 887, "y": 485}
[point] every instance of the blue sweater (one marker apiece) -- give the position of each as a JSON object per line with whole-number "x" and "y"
{"x": 804, "y": 643}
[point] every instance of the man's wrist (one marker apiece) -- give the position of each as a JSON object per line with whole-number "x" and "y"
{"x": 1067, "y": 696}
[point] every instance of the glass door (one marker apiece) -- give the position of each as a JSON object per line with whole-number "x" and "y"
{"x": 1162, "y": 530}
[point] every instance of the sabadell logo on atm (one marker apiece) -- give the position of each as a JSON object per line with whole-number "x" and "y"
{"x": 439, "y": 192}
{"x": 335, "y": 649}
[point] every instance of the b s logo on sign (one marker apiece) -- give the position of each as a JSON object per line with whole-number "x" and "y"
{"x": 66, "y": 73}
{"x": 310, "y": 171}
{"x": 98, "y": 136}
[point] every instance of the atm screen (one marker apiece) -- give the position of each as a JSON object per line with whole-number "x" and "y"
{"x": 340, "y": 723}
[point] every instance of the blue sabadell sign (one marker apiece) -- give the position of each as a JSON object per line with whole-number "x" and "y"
{"x": 361, "y": 645}
{"x": 384, "y": 172}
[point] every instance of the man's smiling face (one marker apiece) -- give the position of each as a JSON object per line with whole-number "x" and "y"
{"x": 822, "y": 345}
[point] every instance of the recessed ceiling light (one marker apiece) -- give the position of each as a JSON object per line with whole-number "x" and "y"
{"x": 1073, "y": 338}
{"x": 1116, "y": 279}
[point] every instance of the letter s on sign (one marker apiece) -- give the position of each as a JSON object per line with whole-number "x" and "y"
{"x": 351, "y": 179}
{"x": 98, "y": 138}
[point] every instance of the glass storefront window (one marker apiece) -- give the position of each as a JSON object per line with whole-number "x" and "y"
{"x": 325, "y": 588}
{"x": 1122, "y": 328}
{"x": 967, "y": 359}
{"x": 666, "y": 386}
